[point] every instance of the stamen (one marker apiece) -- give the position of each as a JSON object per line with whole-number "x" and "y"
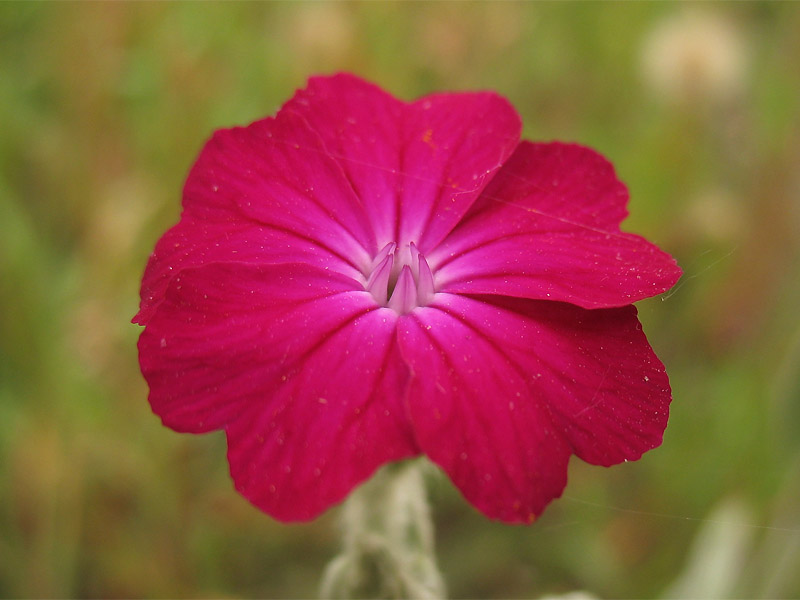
{"x": 404, "y": 297}
{"x": 425, "y": 286}
{"x": 378, "y": 282}
{"x": 400, "y": 278}
{"x": 414, "y": 260}
{"x": 385, "y": 251}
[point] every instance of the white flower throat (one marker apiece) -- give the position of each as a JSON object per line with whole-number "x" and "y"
{"x": 400, "y": 278}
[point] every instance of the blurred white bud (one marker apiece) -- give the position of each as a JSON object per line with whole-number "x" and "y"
{"x": 718, "y": 554}
{"x": 695, "y": 55}
{"x": 716, "y": 215}
{"x": 322, "y": 32}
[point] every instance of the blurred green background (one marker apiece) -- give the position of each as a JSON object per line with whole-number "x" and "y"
{"x": 103, "y": 108}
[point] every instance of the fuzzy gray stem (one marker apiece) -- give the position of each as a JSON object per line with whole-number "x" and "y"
{"x": 388, "y": 549}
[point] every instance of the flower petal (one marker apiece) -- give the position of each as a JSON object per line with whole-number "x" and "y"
{"x": 547, "y": 227}
{"x": 331, "y": 424}
{"x": 297, "y": 364}
{"x": 193, "y": 243}
{"x": 267, "y": 193}
{"x": 504, "y": 390}
{"x": 417, "y": 167}
{"x": 226, "y": 333}
{"x": 329, "y": 427}
{"x": 475, "y": 416}
{"x": 600, "y": 376}
{"x": 276, "y": 172}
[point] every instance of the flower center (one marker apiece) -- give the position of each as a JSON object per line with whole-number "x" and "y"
{"x": 400, "y": 278}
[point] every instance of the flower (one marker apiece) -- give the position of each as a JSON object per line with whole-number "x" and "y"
{"x": 360, "y": 280}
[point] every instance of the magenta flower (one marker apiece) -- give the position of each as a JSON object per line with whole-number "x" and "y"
{"x": 359, "y": 280}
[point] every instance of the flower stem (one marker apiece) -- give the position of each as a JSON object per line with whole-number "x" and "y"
{"x": 388, "y": 549}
